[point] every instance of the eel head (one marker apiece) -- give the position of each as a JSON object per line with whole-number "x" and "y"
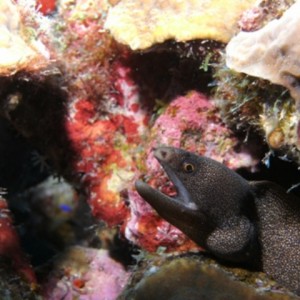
{"x": 210, "y": 203}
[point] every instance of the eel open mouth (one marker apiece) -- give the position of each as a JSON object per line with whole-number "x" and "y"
{"x": 158, "y": 200}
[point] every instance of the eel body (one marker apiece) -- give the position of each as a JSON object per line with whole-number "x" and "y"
{"x": 251, "y": 223}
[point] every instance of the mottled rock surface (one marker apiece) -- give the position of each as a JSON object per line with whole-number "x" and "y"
{"x": 143, "y": 24}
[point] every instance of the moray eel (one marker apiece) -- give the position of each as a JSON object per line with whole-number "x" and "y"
{"x": 254, "y": 224}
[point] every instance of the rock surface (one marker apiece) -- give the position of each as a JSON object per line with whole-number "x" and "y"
{"x": 143, "y": 24}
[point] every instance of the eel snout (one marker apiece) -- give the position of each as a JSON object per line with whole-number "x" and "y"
{"x": 167, "y": 156}
{"x": 163, "y": 154}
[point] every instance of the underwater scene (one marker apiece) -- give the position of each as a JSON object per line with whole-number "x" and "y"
{"x": 149, "y": 149}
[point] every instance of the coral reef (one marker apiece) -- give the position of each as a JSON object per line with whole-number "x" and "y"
{"x": 270, "y": 101}
{"x": 270, "y": 53}
{"x": 191, "y": 122}
{"x": 102, "y": 118}
{"x": 89, "y": 124}
{"x": 152, "y": 22}
{"x": 110, "y": 158}
{"x": 244, "y": 100}
{"x": 85, "y": 273}
{"x": 92, "y": 109}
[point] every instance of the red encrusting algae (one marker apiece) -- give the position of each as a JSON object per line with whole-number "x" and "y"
{"x": 10, "y": 245}
{"x": 104, "y": 143}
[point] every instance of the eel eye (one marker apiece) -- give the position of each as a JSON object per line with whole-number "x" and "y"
{"x": 188, "y": 167}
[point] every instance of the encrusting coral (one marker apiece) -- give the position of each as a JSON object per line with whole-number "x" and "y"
{"x": 262, "y": 13}
{"x": 151, "y": 22}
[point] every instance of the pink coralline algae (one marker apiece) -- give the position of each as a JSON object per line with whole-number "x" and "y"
{"x": 251, "y": 19}
{"x": 10, "y": 248}
{"x": 86, "y": 274}
{"x": 193, "y": 123}
{"x": 263, "y": 12}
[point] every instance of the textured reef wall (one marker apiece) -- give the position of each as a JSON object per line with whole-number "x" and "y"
{"x": 274, "y": 57}
{"x": 153, "y": 22}
{"x": 95, "y": 85}
{"x": 278, "y": 64}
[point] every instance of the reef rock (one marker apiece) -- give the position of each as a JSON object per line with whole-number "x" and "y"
{"x": 19, "y": 47}
{"x": 270, "y": 53}
{"x": 141, "y": 24}
{"x": 246, "y": 101}
{"x": 199, "y": 279}
{"x": 85, "y": 273}
{"x": 10, "y": 249}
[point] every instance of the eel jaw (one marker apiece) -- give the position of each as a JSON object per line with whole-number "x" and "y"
{"x": 183, "y": 196}
{"x": 155, "y": 198}
{"x": 182, "y": 201}
{"x": 160, "y": 201}
{"x": 169, "y": 208}
{"x": 180, "y": 211}
{"x": 188, "y": 220}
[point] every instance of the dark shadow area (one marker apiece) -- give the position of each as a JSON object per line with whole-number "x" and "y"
{"x": 173, "y": 69}
{"x": 283, "y": 172}
{"x": 36, "y": 107}
{"x": 19, "y": 161}
{"x": 43, "y": 235}
{"x": 123, "y": 251}
{"x": 33, "y": 143}
{"x": 271, "y": 166}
